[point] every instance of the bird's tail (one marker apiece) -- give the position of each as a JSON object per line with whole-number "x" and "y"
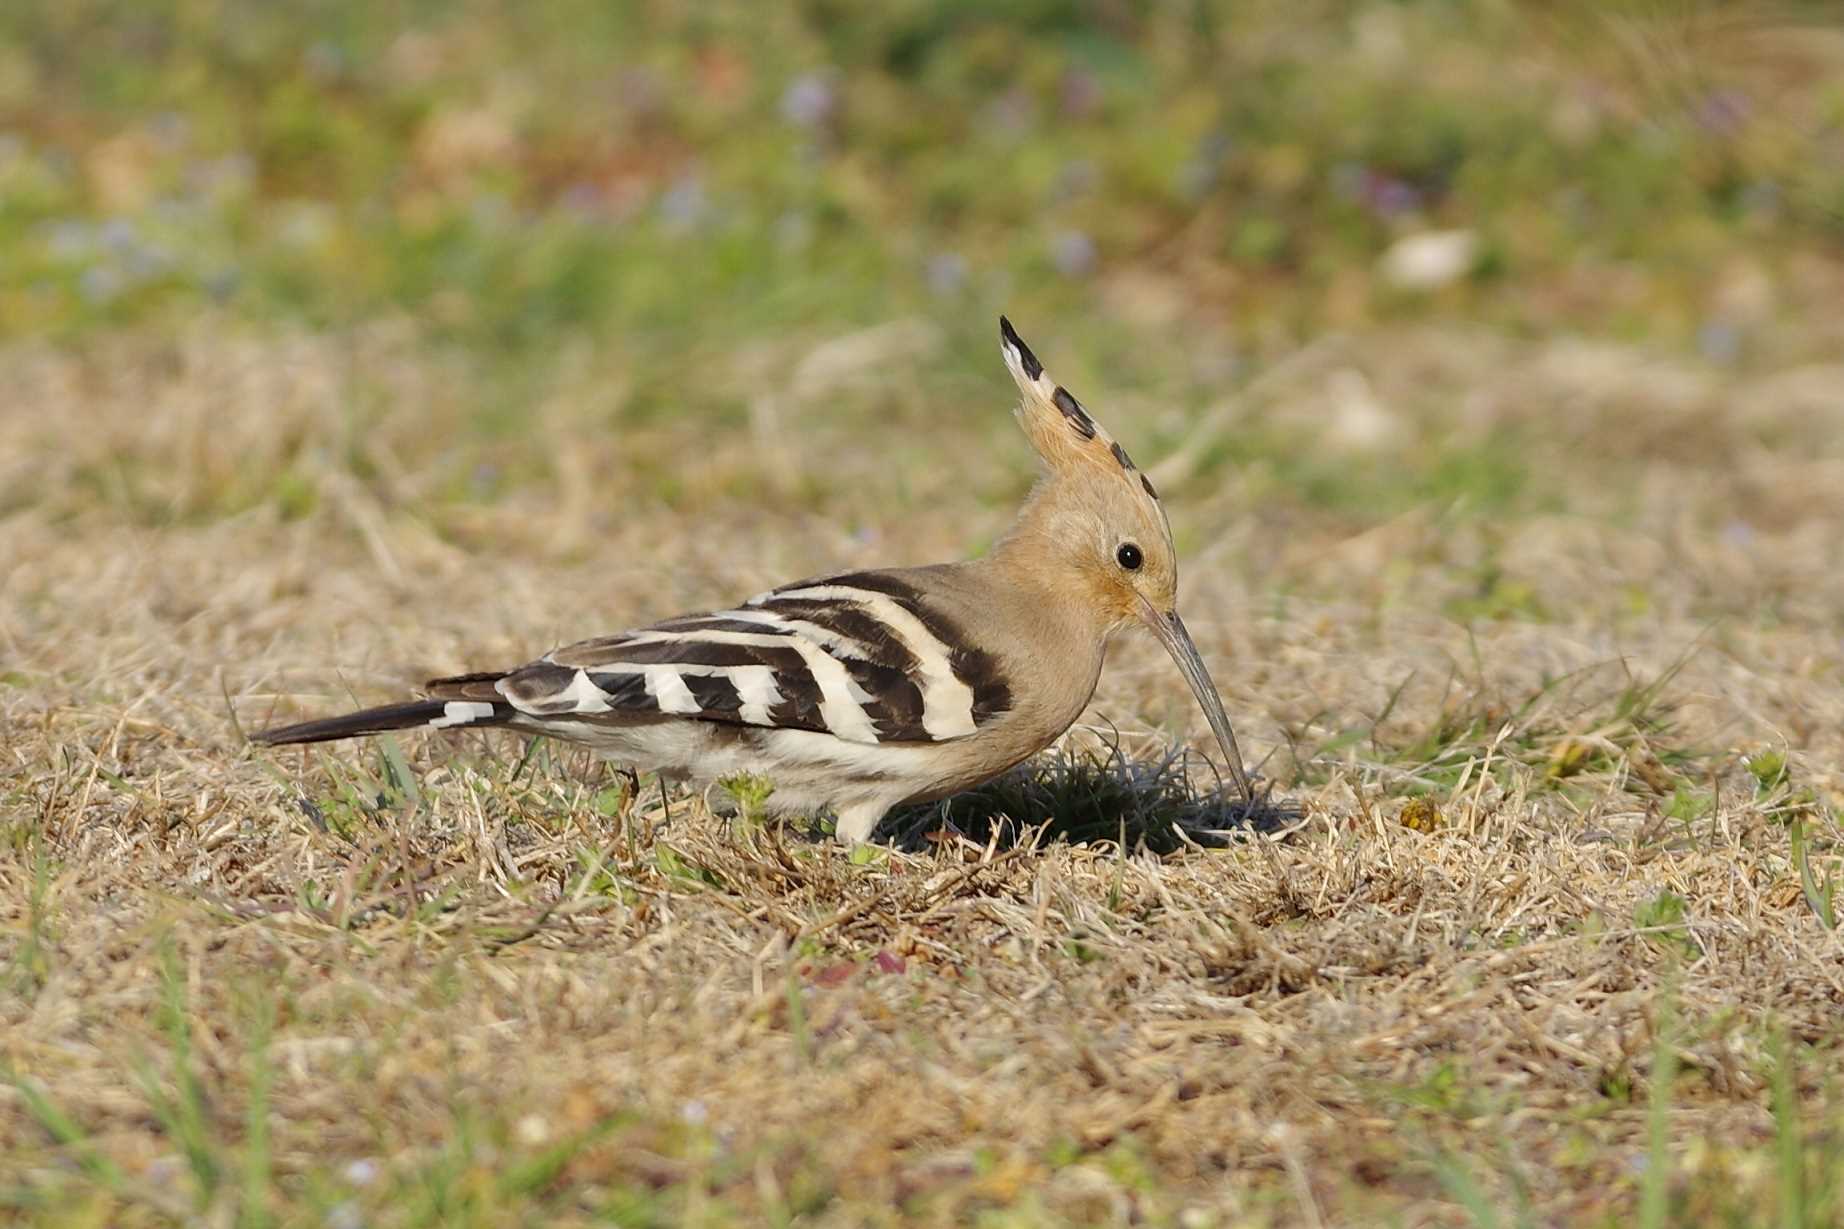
{"x": 468, "y": 700}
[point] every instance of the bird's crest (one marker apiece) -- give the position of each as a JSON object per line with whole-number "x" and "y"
{"x": 1064, "y": 433}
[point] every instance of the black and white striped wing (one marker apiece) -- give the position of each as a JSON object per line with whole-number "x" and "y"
{"x": 861, "y": 656}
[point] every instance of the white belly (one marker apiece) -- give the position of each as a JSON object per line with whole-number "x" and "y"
{"x": 810, "y": 771}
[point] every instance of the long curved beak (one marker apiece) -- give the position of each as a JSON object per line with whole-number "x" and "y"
{"x": 1170, "y": 630}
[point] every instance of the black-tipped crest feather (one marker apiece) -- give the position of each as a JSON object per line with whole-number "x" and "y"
{"x": 1032, "y": 368}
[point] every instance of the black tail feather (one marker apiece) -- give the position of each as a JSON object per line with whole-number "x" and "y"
{"x": 376, "y": 721}
{"x": 476, "y": 686}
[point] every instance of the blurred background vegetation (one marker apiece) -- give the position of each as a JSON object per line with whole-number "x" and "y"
{"x": 633, "y": 207}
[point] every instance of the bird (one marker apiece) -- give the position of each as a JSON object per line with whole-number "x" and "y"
{"x": 858, "y": 691}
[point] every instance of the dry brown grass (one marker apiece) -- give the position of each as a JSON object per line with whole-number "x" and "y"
{"x": 245, "y": 988}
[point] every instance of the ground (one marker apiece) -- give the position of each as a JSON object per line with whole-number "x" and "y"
{"x": 1521, "y": 589}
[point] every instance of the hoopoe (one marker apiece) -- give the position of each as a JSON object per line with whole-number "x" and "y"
{"x": 858, "y": 691}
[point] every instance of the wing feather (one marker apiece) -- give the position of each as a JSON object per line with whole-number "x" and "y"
{"x": 860, "y": 656}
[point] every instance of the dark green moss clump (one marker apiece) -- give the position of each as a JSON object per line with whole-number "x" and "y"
{"x": 1087, "y": 796}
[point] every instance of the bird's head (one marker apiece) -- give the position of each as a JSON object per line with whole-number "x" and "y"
{"x": 1096, "y": 521}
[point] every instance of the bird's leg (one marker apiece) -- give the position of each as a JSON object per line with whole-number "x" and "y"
{"x": 856, "y": 822}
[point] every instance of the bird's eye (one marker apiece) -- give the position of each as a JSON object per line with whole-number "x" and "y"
{"x": 1129, "y": 556}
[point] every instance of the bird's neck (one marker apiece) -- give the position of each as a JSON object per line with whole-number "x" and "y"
{"x": 1035, "y": 566}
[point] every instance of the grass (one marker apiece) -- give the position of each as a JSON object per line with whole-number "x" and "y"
{"x": 482, "y": 981}
{"x": 417, "y": 342}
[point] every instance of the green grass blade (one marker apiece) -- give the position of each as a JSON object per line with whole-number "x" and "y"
{"x": 1821, "y": 898}
{"x": 184, "y": 1113}
{"x": 253, "y": 1212}
{"x": 64, "y": 1130}
{"x": 1655, "y": 1191}
{"x": 1788, "y": 1140}
{"x": 1457, "y": 1178}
